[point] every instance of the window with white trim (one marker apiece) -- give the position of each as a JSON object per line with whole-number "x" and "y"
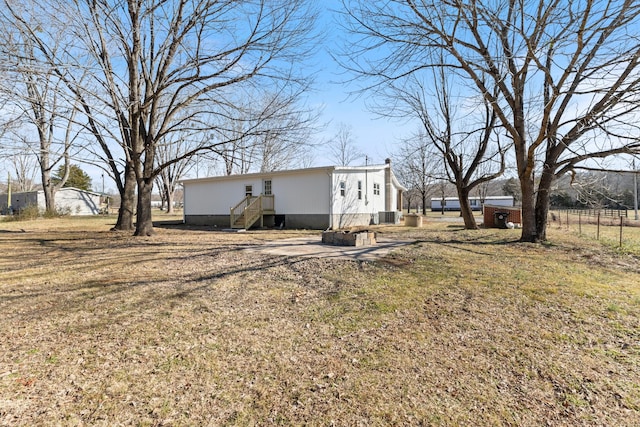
{"x": 376, "y": 189}
{"x": 343, "y": 188}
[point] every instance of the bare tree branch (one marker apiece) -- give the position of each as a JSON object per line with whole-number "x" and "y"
{"x": 566, "y": 74}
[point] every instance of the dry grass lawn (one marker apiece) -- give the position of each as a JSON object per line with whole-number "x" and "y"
{"x": 191, "y": 327}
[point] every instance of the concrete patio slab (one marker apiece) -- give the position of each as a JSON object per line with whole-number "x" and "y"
{"x": 312, "y": 247}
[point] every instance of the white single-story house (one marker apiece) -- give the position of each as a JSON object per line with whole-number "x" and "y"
{"x": 330, "y": 197}
{"x": 68, "y": 200}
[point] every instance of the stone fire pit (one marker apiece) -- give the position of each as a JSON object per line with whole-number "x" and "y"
{"x": 349, "y": 238}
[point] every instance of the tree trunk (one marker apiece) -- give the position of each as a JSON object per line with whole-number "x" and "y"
{"x": 49, "y": 194}
{"x": 163, "y": 200}
{"x": 127, "y": 201}
{"x": 144, "y": 221}
{"x": 465, "y": 209}
{"x": 424, "y": 203}
{"x": 542, "y": 203}
{"x": 45, "y": 175}
{"x": 170, "y": 203}
{"x": 168, "y": 196}
{"x": 529, "y": 231}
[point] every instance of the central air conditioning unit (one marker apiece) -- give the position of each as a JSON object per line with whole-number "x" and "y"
{"x": 389, "y": 217}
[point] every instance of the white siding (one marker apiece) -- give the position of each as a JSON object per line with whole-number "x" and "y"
{"x": 303, "y": 193}
{"x": 76, "y": 202}
{"x": 42, "y": 202}
{"x": 294, "y": 193}
{"x": 306, "y": 194}
{"x": 67, "y": 201}
{"x": 350, "y": 203}
{"x": 216, "y": 198}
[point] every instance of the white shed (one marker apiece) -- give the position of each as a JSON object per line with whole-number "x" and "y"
{"x": 77, "y": 202}
{"x": 316, "y": 198}
{"x": 68, "y": 200}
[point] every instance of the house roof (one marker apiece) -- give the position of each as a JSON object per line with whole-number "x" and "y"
{"x": 326, "y": 169}
{"x": 63, "y": 189}
{"x": 79, "y": 190}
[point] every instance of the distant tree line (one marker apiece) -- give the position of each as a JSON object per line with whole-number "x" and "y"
{"x": 595, "y": 190}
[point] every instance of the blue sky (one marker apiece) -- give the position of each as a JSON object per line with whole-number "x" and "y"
{"x": 374, "y": 136}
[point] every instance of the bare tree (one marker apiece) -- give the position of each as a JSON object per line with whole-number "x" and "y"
{"x": 238, "y": 151}
{"x": 38, "y": 101}
{"x": 18, "y": 159}
{"x": 342, "y": 148}
{"x": 482, "y": 191}
{"x": 443, "y": 190}
{"x": 156, "y": 69}
{"x": 43, "y": 28}
{"x": 419, "y": 167}
{"x": 25, "y": 168}
{"x": 168, "y": 178}
{"x": 466, "y": 142}
{"x": 288, "y": 136}
{"x": 598, "y": 189}
{"x": 270, "y": 133}
{"x": 172, "y": 70}
{"x": 566, "y": 74}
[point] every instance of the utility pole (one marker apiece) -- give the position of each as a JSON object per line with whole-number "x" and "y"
{"x": 9, "y": 194}
{"x": 635, "y": 189}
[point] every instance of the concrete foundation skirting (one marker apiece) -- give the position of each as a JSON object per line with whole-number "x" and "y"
{"x": 345, "y": 238}
{"x": 290, "y": 221}
{"x": 214, "y": 220}
{"x": 306, "y": 221}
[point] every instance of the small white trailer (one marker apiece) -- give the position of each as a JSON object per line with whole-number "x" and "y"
{"x": 453, "y": 203}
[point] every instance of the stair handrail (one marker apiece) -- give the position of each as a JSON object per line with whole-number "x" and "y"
{"x": 238, "y": 209}
{"x": 250, "y": 209}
